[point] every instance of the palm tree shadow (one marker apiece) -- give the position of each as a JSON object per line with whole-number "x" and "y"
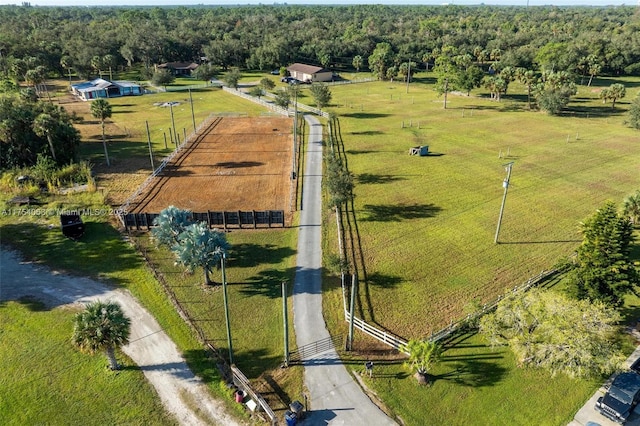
{"x": 397, "y": 213}
{"x": 474, "y": 373}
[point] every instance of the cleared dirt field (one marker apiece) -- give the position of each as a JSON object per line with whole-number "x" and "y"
{"x": 237, "y": 163}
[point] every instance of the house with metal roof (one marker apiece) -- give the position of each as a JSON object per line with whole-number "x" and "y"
{"x": 100, "y": 88}
{"x": 178, "y": 68}
{"x": 309, "y": 73}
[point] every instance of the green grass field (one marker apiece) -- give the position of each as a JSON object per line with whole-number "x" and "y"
{"x": 102, "y": 254}
{"x": 427, "y": 224}
{"x": 45, "y": 380}
{"x": 427, "y": 227}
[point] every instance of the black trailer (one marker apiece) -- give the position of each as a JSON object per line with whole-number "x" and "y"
{"x": 72, "y": 226}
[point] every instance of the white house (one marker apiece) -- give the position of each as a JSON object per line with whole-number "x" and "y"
{"x": 100, "y": 88}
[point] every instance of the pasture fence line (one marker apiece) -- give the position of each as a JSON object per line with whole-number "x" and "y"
{"x": 214, "y": 219}
{"x": 354, "y": 81}
{"x": 349, "y": 237}
{"x": 236, "y": 376}
{"x": 191, "y": 138}
{"x": 269, "y": 105}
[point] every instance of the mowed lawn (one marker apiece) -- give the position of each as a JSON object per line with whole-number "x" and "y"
{"x": 45, "y": 380}
{"x": 427, "y": 224}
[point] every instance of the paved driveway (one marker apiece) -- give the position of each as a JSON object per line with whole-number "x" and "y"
{"x": 588, "y": 413}
{"x": 336, "y": 398}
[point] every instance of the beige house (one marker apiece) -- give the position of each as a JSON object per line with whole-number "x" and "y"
{"x": 309, "y": 73}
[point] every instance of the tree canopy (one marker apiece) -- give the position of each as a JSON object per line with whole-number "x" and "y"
{"x": 581, "y": 40}
{"x": 29, "y": 128}
{"x": 603, "y": 270}
{"x": 549, "y": 330}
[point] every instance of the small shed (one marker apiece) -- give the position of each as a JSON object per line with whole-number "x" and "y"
{"x": 309, "y": 73}
{"x": 178, "y": 68}
{"x": 422, "y": 150}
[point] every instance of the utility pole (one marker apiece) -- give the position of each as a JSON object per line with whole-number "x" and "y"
{"x": 505, "y": 185}
{"x": 295, "y": 129}
{"x": 352, "y": 308}
{"x": 150, "y": 149}
{"x": 193, "y": 116}
{"x": 285, "y": 315}
{"x": 226, "y": 307}
{"x": 173, "y": 124}
{"x": 408, "y": 75}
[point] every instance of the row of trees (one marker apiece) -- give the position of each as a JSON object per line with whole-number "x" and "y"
{"x": 92, "y": 41}
{"x": 29, "y": 128}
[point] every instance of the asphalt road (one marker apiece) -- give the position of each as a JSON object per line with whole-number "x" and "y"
{"x": 335, "y": 398}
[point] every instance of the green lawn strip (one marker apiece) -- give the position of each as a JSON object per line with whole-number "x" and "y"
{"x": 257, "y": 264}
{"x": 477, "y": 385}
{"x": 45, "y": 379}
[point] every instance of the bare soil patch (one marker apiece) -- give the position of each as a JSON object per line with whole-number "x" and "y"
{"x": 235, "y": 164}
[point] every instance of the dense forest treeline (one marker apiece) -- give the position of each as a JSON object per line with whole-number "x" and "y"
{"x": 264, "y": 37}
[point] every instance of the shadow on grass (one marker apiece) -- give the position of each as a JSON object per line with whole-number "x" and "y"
{"x": 359, "y": 151}
{"x": 267, "y": 283}
{"x": 475, "y": 372}
{"x": 589, "y": 111}
{"x": 255, "y": 362}
{"x": 365, "y": 115}
{"x": 540, "y": 242}
{"x": 368, "y": 133}
{"x": 368, "y": 178}
{"x": 383, "y": 281}
{"x": 252, "y": 255}
{"x": 202, "y": 365}
{"x": 99, "y": 252}
{"x": 31, "y": 303}
{"x": 397, "y": 213}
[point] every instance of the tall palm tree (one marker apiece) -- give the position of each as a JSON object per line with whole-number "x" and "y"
{"x": 631, "y": 207}
{"x": 423, "y": 354}
{"x": 101, "y": 109}
{"x": 102, "y": 326}
{"x": 43, "y": 126}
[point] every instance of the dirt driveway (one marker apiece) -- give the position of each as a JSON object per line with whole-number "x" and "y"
{"x": 150, "y": 347}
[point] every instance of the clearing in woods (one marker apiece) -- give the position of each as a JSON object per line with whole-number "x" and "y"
{"x": 236, "y": 163}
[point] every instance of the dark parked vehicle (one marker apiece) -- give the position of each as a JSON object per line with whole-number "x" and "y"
{"x": 621, "y": 398}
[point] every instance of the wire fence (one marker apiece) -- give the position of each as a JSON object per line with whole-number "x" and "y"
{"x": 191, "y": 138}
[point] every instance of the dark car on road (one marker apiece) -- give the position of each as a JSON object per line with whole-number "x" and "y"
{"x": 621, "y": 398}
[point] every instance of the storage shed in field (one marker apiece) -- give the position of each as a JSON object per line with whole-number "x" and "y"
{"x": 309, "y": 73}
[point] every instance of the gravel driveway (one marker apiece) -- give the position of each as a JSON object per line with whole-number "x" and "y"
{"x": 149, "y": 347}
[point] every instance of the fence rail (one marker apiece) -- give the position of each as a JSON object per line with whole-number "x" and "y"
{"x": 386, "y": 338}
{"x": 191, "y": 138}
{"x": 269, "y": 105}
{"x": 215, "y": 219}
{"x": 241, "y": 381}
